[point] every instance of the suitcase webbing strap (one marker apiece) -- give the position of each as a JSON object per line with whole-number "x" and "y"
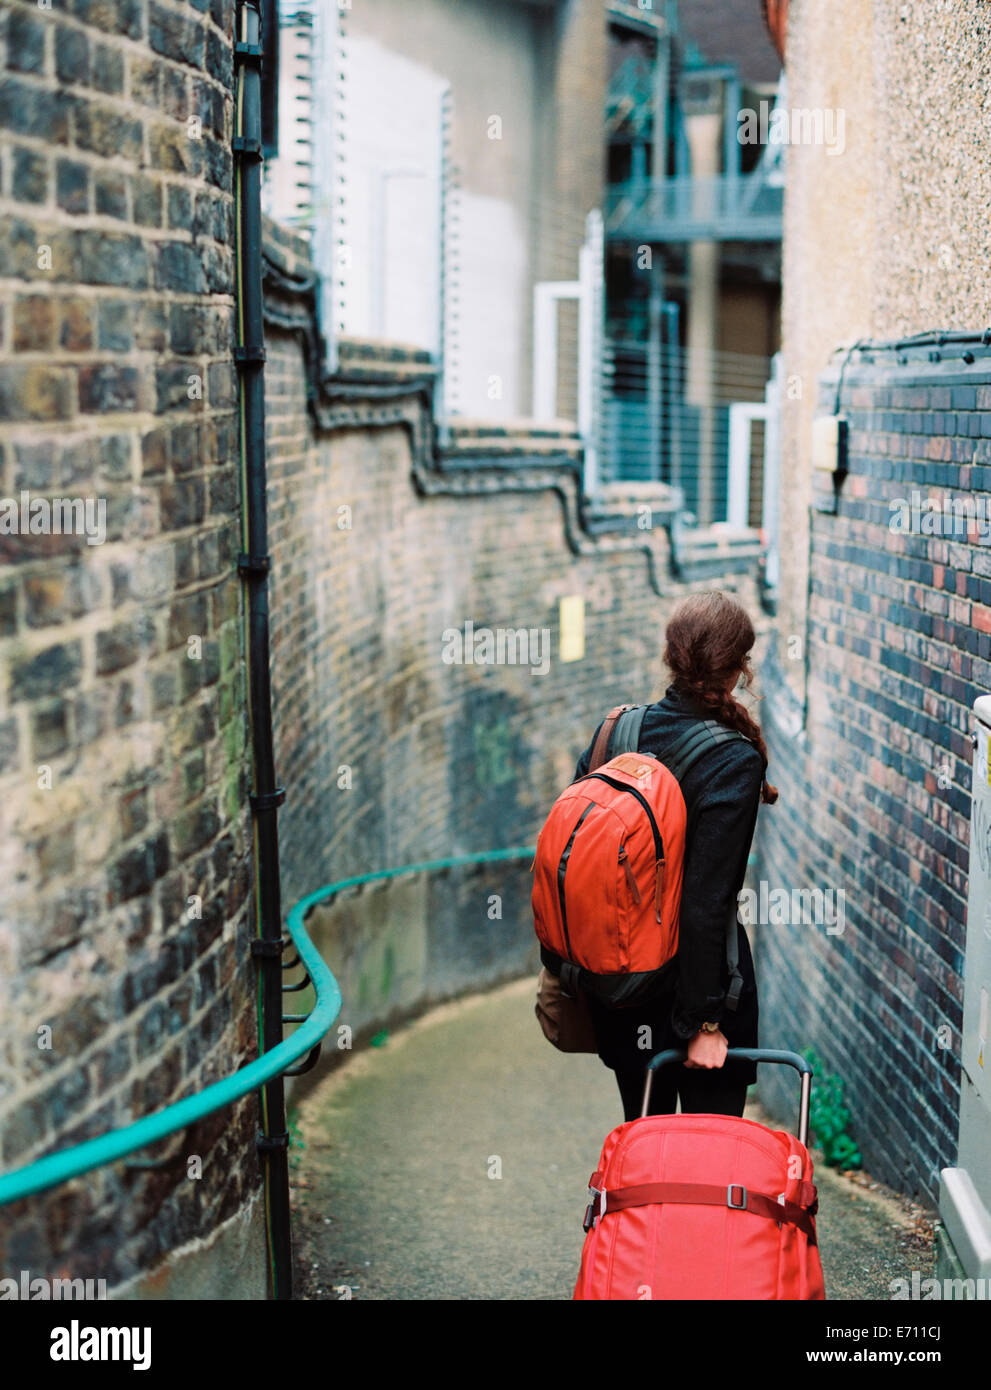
{"x": 734, "y": 1196}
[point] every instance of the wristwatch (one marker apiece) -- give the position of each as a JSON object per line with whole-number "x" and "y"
{"x": 708, "y": 1027}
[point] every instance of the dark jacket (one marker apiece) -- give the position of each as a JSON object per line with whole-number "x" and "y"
{"x": 722, "y": 796}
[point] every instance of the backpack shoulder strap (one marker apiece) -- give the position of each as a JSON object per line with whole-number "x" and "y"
{"x": 600, "y": 747}
{"x": 683, "y": 754}
{"x": 626, "y": 736}
{"x": 686, "y": 751}
{"x": 620, "y": 724}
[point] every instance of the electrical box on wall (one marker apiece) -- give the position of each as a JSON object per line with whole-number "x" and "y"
{"x": 965, "y": 1191}
{"x": 572, "y": 627}
{"x": 829, "y": 443}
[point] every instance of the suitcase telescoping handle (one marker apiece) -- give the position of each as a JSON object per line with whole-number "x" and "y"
{"x": 744, "y": 1054}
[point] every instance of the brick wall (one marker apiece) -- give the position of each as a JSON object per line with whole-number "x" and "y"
{"x": 391, "y": 755}
{"x": 875, "y": 792}
{"x": 122, "y": 746}
{"x": 123, "y": 760}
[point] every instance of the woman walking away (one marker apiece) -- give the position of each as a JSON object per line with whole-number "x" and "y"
{"x": 708, "y": 642}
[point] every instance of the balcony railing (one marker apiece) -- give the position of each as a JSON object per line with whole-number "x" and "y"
{"x": 746, "y": 207}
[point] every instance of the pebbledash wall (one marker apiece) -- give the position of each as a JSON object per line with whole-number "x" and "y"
{"x": 124, "y": 763}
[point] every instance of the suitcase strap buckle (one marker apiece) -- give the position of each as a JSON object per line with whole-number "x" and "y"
{"x": 734, "y": 1195}
{"x": 596, "y": 1207}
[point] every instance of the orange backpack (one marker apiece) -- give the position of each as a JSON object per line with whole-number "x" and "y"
{"x": 608, "y": 867}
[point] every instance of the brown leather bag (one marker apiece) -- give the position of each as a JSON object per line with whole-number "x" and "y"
{"x": 565, "y": 1021}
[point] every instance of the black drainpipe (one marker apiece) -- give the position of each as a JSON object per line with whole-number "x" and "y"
{"x": 253, "y": 566}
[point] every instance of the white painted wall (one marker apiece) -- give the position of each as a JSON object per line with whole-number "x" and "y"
{"x": 392, "y": 126}
{"x": 377, "y": 171}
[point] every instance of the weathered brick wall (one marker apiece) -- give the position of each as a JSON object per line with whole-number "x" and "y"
{"x": 122, "y": 748}
{"x": 875, "y": 794}
{"x": 389, "y": 754}
{"x": 123, "y": 757}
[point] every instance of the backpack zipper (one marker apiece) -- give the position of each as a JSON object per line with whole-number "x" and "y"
{"x": 631, "y": 882}
{"x": 622, "y": 787}
{"x": 562, "y": 869}
{"x": 658, "y": 842}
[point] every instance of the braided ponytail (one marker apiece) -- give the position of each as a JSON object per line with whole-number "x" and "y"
{"x": 709, "y": 638}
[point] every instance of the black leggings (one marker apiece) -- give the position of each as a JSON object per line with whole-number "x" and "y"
{"x": 701, "y": 1092}
{"x": 722, "y": 1091}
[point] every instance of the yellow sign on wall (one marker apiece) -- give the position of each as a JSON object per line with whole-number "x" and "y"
{"x": 572, "y": 622}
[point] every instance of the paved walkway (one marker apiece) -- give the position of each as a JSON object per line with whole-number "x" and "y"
{"x": 453, "y": 1162}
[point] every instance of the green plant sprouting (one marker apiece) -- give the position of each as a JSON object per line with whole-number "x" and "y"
{"x": 830, "y": 1117}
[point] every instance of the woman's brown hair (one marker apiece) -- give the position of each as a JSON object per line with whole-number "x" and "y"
{"x": 708, "y": 640}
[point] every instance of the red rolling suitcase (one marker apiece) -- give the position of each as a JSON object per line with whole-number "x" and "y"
{"x": 703, "y": 1206}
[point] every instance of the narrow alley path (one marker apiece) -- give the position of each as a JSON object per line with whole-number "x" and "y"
{"x": 393, "y": 1193}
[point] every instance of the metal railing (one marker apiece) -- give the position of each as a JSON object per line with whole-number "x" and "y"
{"x": 119, "y": 1143}
{"x": 669, "y": 415}
{"x": 60, "y": 1167}
{"x": 723, "y": 207}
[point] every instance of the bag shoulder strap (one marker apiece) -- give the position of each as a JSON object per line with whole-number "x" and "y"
{"x": 626, "y": 736}
{"x": 616, "y": 729}
{"x": 684, "y": 754}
